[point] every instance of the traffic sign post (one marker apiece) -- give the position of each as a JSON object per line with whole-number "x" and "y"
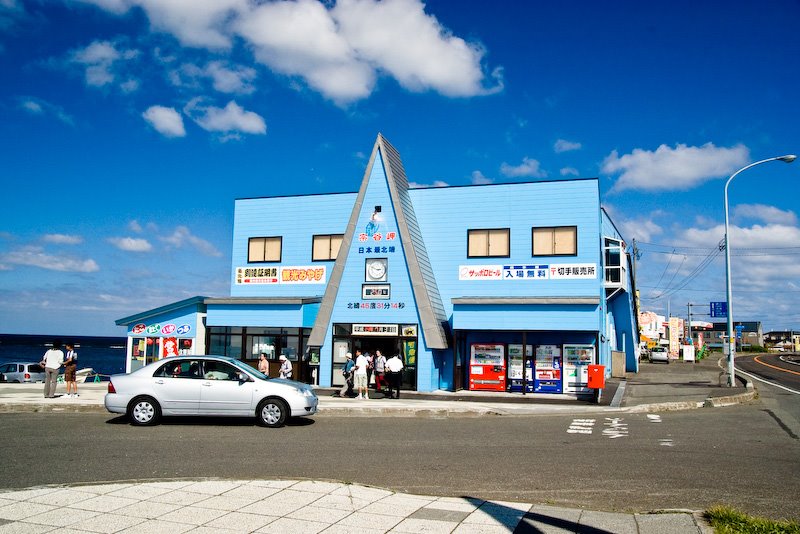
{"x": 719, "y": 309}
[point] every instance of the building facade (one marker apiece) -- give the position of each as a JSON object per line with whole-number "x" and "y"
{"x": 500, "y": 287}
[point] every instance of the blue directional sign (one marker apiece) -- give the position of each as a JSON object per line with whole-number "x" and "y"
{"x": 719, "y": 309}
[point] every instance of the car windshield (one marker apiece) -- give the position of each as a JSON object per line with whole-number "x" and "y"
{"x": 252, "y": 370}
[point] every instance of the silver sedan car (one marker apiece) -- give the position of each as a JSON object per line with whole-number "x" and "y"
{"x": 207, "y": 385}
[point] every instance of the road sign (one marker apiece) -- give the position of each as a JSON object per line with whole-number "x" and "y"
{"x": 719, "y": 309}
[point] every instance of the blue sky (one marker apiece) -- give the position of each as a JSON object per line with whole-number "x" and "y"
{"x": 129, "y": 127}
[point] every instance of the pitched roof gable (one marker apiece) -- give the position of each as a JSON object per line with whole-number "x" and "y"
{"x": 423, "y": 284}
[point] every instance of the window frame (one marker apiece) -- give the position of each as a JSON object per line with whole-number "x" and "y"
{"x": 553, "y": 241}
{"x": 488, "y": 231}
{"x": 330, "y": 239}
{"x": 265, "y": 238}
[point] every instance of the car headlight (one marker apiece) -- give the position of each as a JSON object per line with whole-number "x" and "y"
{"x": 308, "y": 392}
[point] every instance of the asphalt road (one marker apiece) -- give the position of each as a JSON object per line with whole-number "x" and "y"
{"x": 638, "y": 462}
{"x": 778, "y": 384}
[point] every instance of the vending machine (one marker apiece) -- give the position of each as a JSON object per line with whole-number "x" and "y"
{"x": 577, "y": 359}
{"x": 548, "y": 369}
{"x": 515, "y": 359}
{"x": 487, "y": 367}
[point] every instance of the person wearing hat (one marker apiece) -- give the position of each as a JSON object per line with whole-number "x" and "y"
{"x": 347, "y": 371}
{"x": 286, "y": 367}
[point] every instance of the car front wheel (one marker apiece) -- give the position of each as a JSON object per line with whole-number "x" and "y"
{"x": 272, "y": 412}
{"x": 144, "y": 411}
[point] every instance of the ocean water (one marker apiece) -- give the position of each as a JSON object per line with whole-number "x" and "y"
{"x": 106, "y": 355}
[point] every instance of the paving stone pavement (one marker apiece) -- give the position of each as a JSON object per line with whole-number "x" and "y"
{"x": 302, "y": 506}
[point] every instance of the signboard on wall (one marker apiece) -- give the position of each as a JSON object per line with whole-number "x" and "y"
{"x": 375, "y": 330}
{"x": 560, "y": 271}
{"x": 281, "y": 275}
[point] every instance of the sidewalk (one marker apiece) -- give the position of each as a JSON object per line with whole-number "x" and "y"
{"x": 282, "y": 506}
{"x": 657, "y": 387}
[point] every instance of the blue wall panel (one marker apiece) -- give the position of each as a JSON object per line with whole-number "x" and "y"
{"x": 177, "y": 317}
{"x": 296, "y": 220}
{"x": 254, "y": 315}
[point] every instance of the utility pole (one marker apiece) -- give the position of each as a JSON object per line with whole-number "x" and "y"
{"x": 689, "y": 324}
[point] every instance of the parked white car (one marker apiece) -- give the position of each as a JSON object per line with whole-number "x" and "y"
{"x": 20, "y": 372}
{"x": 659, "y": 354}
{"x": 207, "y": 385}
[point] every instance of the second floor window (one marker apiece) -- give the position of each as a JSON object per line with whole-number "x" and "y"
{"x": 490, "y": 243}
{"x": 263, "y": 249}
{"x": 326, "y": 247}
{"x": 555, "y": 241}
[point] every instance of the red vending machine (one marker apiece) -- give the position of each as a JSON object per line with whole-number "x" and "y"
{"x": 487, "y": 367}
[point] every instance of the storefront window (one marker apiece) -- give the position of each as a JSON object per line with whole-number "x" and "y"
{"x": 258, "y": 344}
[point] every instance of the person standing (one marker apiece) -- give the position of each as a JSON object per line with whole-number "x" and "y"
{"x": 286, "y": 367}
{"x": 263, "y": 364}
{"x": 370, "y": 366}
{"x": 70, "y": 368}
{"x": 395, "y": 371}
{"x": 361, "y": 375}
{"x": 379, "y": 362}
{"x": 347, "y": 372}
{"x": 52, "y": 361}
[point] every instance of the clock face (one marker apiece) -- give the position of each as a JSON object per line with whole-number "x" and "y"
{"x": 376, "y": 269}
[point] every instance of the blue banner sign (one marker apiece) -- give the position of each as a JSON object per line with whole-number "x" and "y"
{"x": 719, "y": 309}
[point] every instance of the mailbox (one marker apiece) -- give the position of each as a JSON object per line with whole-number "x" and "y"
{"x": 597, "y": 376}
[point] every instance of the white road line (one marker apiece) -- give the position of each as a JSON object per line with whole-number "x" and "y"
{"x": 581, "y": 426}
{"x": 754, "y": 377}
{"x": 654, "y": 418}
{"x": 615, "y": 428}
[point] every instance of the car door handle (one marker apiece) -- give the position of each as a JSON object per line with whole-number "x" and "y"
{"x": 159, "y": 381}
{"x": 207, "y": 384}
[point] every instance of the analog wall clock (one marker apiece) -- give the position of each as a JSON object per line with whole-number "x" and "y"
{"x": 376, "y": 269}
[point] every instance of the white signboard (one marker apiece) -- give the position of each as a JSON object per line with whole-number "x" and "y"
{"x": 566, "y": 271}
{"x": 573, "y": 271}
{"x": 480, "y": 272}
{"x": 375, "y": 330}
{"x": 281, "y": 275}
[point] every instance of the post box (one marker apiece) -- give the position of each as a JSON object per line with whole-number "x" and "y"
{"x": 597, "y": 376}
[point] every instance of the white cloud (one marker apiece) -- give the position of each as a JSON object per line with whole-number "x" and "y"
{"x": 301, "y": 39}
{"x": 36, "y": 257}
{"x": 100, "y": 59}
{"x": 182, "y": 236}
{"x": 166, "y": 121}
{"x": 231, "y": 118}
{"x": 763, "y": 213}
{"x": 225, "y": 77}
{"x": 528, "y": 167}
{"x": 337, "y": 49}
{"x": 134, "y": 226}
{"x": 398, "y": 37}
{"x": 562, "y": 145}
{"x": 436, "y": 183}
{"x": 231, "y": 79}
{"x": 569, "y": 171}
{"x": 42, "y": 108}
{"x": 479, "y": 179}
{"x": 679, "y": 168}
{"x": 62, "y": 239}
{"x": 131, "y": 244}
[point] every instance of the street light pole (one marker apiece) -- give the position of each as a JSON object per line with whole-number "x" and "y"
{"x": 731, "y": 336}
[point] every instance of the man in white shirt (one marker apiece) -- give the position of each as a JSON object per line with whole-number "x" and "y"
{"x": 361, "y": 375}
{"x": 52, "y": 359}
{"x": 394, "y": 370}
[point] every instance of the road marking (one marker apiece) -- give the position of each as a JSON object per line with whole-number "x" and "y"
{"x": 756, "y": 359}
{"x": 654, "y": 418}
{"x": 581, "y": 426}
{"x": 754, "y": 377}
{"x": 615, "y": 428}
{"x": 666, "y": 442}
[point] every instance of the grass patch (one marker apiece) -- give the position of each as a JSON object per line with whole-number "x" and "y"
{"x": 726, "y": 520}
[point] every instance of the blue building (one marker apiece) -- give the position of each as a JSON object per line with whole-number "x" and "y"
{"x": 500, "y": 287}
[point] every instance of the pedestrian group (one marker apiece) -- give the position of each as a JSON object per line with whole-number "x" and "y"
{"x": 52, "y": 361}
{"x": 358, "y": 375}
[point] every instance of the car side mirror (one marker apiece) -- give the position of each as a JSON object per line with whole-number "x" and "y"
{"x": 243, "y": 377}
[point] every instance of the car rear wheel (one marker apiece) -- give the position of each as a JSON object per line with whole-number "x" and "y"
{"x": 272, "y": 412}
{"x": 144, "y": 411}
